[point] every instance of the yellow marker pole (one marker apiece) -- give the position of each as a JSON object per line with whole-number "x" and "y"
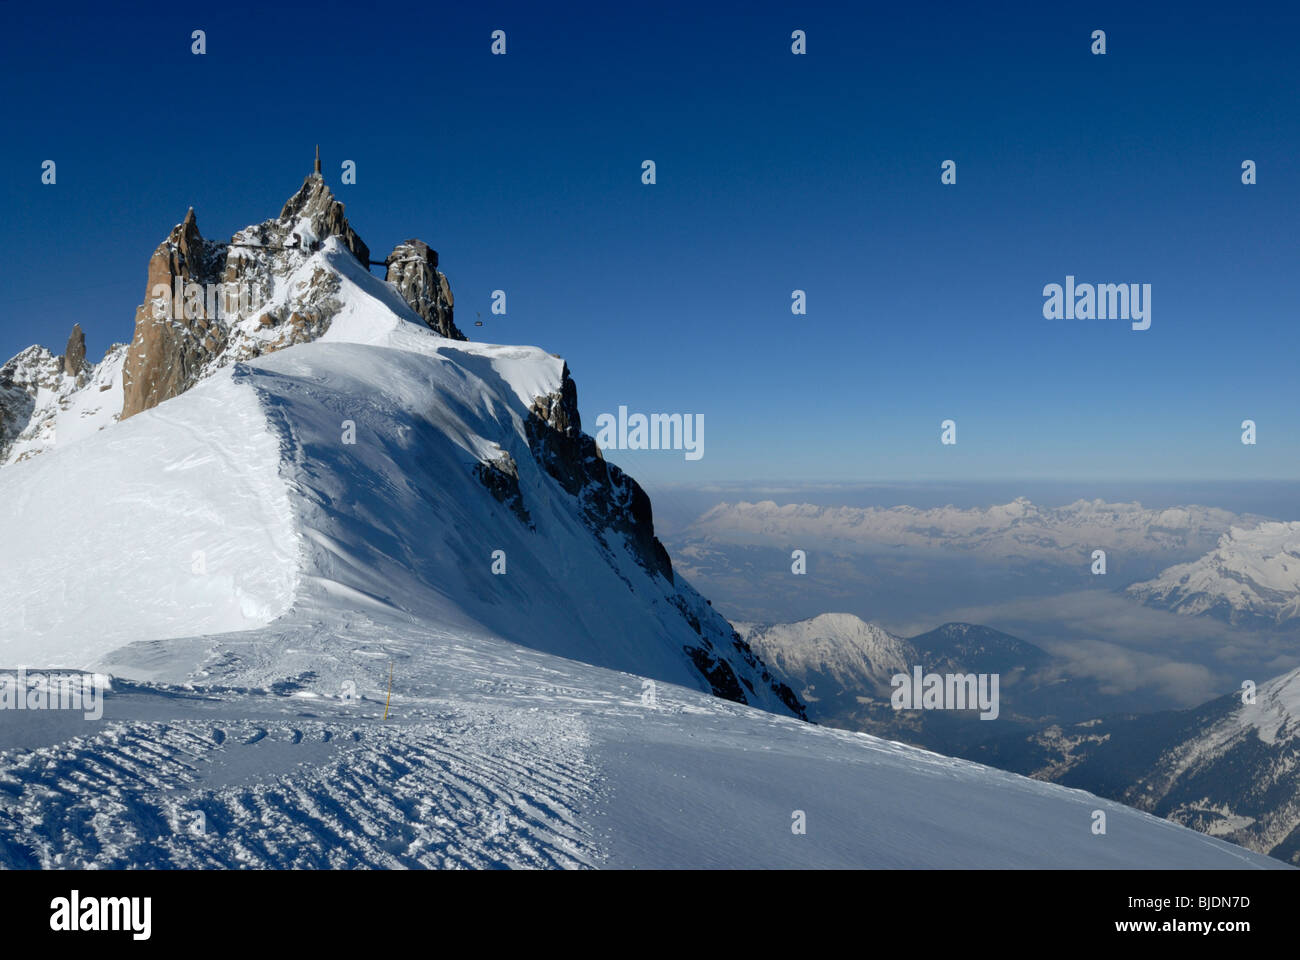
{"x": 390, "y": 689}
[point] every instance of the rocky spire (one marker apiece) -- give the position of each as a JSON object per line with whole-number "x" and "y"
{"x": 412, "y": 268}
{"x": 179, "y": 339}
{"x": 170, "y": 349}
{"x": 74, "y": 355}
{"x": 314, "y": 206}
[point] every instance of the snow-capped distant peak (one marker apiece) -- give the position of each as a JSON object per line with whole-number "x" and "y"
{"x": 838, "y": 647}
{"x": 1252, "y": 574}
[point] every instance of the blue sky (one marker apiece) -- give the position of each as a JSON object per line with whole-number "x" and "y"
{"x": 775, "y": 172}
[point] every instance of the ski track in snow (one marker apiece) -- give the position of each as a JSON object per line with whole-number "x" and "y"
{"x": 459, "y": 788}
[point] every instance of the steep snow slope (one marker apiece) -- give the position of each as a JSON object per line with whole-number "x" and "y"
{"x": 1253, "y": 574}
{"x": 175, "y": 524}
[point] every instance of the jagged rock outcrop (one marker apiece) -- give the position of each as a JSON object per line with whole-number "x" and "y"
{"x": 412, "y": 267}
{"x": 612, "y": 503}
{"x": 208, "y": 304}
{"x": 250, "y": 297}
{"x": 501, "y": 478}
{"x": 610, "y": 499}
{"x": 313, "y": 214}
{"x": 41, "y": 401}
{"x": 21, "y": 379}
{"x": 171, "y": 348}
{"x": 74, "y": 355}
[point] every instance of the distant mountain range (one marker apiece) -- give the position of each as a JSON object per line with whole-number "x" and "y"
{"x": 1241, "y": 569}
{"x": 1019, "y": 530}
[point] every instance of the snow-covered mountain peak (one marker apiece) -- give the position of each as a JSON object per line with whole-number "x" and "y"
{"x": 208, "y": 304}
{"x": 831, "y": 650}
{"x": 1275, "y": 714}
{"x": 1252, "y": 574}
{"x": 308, "y": 217}
{"x": 839, "y": 626}
{"x": 332, "y": 502}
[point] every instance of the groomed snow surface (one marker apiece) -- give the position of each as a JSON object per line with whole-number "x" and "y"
{"x": 252, "y": 581}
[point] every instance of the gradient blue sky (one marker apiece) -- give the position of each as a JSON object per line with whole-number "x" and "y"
{"x": 775, "y": 172}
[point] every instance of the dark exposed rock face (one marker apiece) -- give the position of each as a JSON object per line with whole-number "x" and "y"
{"x": 314, "y": 204}
{"x": 718, "y": 671}
{"x": 74, "y": 356}
{"x": 614, "y": 503}
{"x": 788, "y": 696}
{"x": 413, "y": 268}
{"x": 610, "y": 499}
{"x": 722, "y": 679}
{"x": 21, "y": 378}
{"x": 169, "y": 352}
{"x": 501, "y": 477}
